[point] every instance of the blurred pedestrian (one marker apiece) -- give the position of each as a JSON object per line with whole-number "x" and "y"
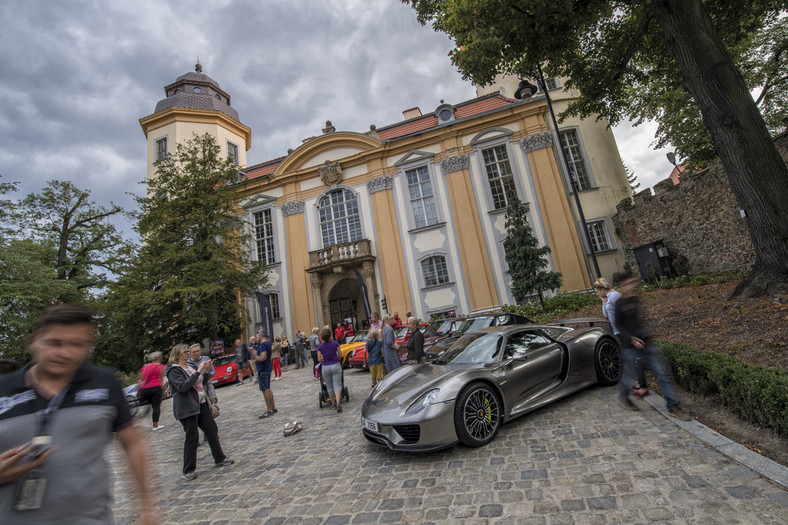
{"x": 415, "y": 342}
{"x": 276, "y": 355}
{"x": 151, "y": 383}
{"x": 609, "y": 297}
{"x": 390, "y": 356}
{"x": 636, "y": 341}
{"x": 73, "y": 409}
{"x": 374, "y": 358}
{"x": 242, "y": 357}
{"x": 328, "y": 355}
{"x": 190, "y": 407}
{"x": 375, "y": 323}
{"x": 397, "y": 320}
{"x": 339, "y": 334}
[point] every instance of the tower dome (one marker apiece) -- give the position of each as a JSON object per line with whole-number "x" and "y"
{"x": 196, "y": 90}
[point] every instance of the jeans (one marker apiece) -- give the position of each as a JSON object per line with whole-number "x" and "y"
{"x": 650, "y": 358}
{"x": 205, "y": 421}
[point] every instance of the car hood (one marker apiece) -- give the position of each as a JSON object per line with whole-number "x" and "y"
{"x": 407, "y": 383}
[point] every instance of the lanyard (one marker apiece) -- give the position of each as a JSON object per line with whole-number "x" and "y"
{"x": 44, "y": 416}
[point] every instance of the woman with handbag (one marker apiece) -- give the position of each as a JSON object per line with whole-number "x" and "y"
{"x": 190, "y": 407}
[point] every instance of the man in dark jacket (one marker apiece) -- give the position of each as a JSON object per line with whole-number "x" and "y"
{"x": 636, "y": 344}
{"x": 415, "y": 342}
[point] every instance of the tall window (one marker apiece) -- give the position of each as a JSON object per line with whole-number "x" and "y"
{"x": 232, "y": 152}
{"x": 435, "y": 271}
{"x": 339, "y": 220}
{"x": 161, "y": 149}
{"x": 264, "y": 236}
{"x": 599, "y": 238}
{"x": 274, "y": 298}
{"x": 421, "y": 197}
{"x": 499, "y": 174}
{"x": 574, "y": 156}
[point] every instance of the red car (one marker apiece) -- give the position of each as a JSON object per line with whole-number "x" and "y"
{"x": 227, "y": 370}
{"x": 359, "y": 357}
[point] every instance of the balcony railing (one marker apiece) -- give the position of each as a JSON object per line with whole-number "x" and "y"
{"x": 340, "y": 254}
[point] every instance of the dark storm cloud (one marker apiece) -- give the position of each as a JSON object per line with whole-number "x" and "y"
{"x": 78, "y": 75}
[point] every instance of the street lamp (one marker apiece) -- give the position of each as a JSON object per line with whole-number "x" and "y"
{"x": 672, "y": 159}
{"x": 525, "y": 91}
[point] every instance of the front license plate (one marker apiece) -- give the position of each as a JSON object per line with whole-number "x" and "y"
{"x": 372, "y": 426}
{"x": 214, "y": 381}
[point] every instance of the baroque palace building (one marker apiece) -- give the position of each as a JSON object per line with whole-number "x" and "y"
{"x": 415, "y": 209}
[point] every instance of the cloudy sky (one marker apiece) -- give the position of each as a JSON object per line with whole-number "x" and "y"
{"x": 77, "y": 75}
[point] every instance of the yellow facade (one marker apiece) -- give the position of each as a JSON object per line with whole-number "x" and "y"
{"x": 414, "y": 210}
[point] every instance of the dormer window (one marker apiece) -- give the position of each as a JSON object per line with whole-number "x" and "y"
{"x": 197, "y": 90}
{"x": 445, "y": 113}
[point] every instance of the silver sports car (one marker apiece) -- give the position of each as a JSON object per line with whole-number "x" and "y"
{"x": 487, "y": 378}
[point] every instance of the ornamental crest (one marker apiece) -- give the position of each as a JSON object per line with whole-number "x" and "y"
{"x": 455, "y": 163}
{"x": 380, "y": 184}
{"x": 537, "y": 141}
{"x": 292, "y": 207}
{"x": 330, "y": 173}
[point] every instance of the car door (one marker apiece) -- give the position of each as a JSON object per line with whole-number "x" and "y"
{"x": 534, "y": 367}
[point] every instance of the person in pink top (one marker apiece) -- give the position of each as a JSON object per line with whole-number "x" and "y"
{"x": 151, "y": 382}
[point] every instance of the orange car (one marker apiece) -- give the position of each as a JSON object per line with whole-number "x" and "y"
{"x": 346, "y": 350}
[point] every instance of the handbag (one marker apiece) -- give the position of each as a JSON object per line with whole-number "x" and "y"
{"x": 213, "y": 403}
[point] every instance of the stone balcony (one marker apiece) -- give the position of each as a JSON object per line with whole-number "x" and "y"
{"x": 339, "y": 257}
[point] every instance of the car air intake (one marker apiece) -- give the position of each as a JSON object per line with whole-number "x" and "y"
{"x": 409, "y": 433}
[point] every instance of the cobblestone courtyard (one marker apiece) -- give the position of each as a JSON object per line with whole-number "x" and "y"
{"x": 582, "y": 460}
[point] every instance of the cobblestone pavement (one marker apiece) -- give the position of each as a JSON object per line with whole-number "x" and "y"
{"x": 582, "y": 460}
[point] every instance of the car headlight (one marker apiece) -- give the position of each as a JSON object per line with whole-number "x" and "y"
{"x": 423, "y": 401}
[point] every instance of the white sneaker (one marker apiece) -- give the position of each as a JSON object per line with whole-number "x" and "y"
{"x": 157, "y": 428}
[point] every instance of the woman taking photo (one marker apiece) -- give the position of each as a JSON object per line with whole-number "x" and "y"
{"x": 190, "y": 407}
{"x": 151, "y": 382}
{"x": 328, "y": 355}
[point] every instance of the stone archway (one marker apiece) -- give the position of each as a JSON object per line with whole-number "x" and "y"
{"x": 344, "y": 302}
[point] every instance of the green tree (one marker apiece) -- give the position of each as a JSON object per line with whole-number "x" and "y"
{"x": 526, "y": 260}
{"x": 632, "y": 180}
{"x": 88, "y": 247}
{"x": 185, "y": 282}
{"x": 611, "y": 49}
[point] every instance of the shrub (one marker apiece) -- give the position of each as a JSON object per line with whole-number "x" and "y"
{"x": 555, "y": 306}
{"x": 756, "y": 394}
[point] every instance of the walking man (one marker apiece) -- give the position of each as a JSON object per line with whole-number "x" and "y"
{"x": 636, "y": 344}
{"x": 57, "y": 416}
{"x": 263, "y": 361}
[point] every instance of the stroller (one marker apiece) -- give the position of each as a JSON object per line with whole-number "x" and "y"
{"x": 323, "y": 396}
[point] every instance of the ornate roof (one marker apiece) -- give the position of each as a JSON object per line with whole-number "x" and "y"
{"x": 196, "y": 90}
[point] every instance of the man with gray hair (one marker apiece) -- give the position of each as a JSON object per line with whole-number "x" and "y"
{"x": 415, "y": 342}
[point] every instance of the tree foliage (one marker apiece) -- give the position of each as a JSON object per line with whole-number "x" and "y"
{"x": 527, "y": 261}
{"x": 54, "y": 248}
{"x": 184, "y": 283}
{"x": 648, "y": 59}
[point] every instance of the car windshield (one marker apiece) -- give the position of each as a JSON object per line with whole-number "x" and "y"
{"x": 400, "y": 332}
{"x": 360, "y": 337}
{"x": 474, "y": 323}
{"x": 224, "y": 360}
{"x": 473, "y": 349}
{"x": 438, "y": 328}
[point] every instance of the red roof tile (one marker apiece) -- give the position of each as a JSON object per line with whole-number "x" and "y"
{"x": 263, "y": 169}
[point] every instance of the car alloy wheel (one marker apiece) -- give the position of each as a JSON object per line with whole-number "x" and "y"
{"x": 607, "y": 361}
{"x": 477, "y": 415}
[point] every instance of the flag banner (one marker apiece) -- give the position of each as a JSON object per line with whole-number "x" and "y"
{"x": 266, "y": 315}
{"x": 363, "y": 286}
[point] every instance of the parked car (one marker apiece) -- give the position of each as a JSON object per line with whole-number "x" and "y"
{"x": 132, "y": 395}
{"x": 474, "y": 322}
{"x": 346, "y": 350}
{"x": 487, "y": 378}
{"x": 441, "y": 329}
{"x": 226, "y": 368}
{"x": 358, "y": 359}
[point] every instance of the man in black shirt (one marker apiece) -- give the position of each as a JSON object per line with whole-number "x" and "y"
{"x": 636, "y": 343}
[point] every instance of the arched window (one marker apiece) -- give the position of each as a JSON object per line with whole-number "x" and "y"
{"x": 339, "y": 221}
{"x": 434, "y": 270}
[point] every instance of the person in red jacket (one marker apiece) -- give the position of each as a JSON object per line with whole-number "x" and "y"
{"x": 397, "y": 320}
{"x": 339, "y": 334}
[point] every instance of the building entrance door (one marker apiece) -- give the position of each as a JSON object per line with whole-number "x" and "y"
{"x": 343, "y": 302}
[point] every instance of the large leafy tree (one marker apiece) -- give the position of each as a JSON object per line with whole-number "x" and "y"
{"x": 611, "y": 49}
{"x": 55, "y": 246}
{"x": 185, "y": 282}
{"x": 527, "y": 261}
